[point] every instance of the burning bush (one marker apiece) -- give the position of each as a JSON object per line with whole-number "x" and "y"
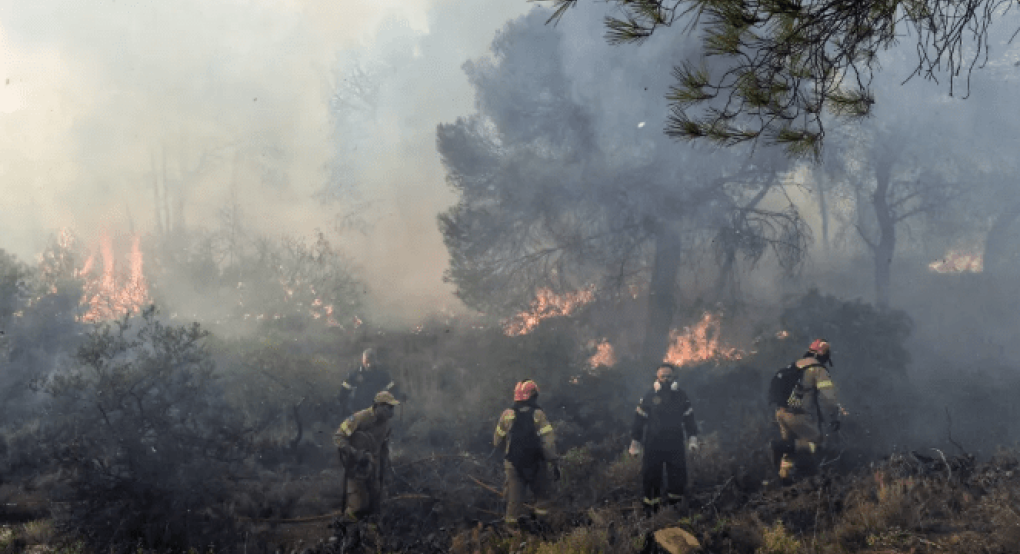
{"x": 144, "y": 436}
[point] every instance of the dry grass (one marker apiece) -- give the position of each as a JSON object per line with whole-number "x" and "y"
{"x": 779, "y": 541}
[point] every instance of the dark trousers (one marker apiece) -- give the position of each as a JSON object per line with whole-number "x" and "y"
{"x": 516, "y": 488}
{"x": 672, "y": 463}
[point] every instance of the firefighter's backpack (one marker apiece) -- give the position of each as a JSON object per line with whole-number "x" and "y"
{"x": 525, "y": 451}
{"x": 783, "y": 385}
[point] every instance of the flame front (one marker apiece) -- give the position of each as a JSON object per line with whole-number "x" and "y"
{"x": 699, "y": 343}
{"x": 959, "y": 261}
{"x": 545, "y": 305}
{"x": 111, "y": 294}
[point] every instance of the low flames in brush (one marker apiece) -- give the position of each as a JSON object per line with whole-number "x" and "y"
{"x": 547, "y": 304}
{"x": 700, "y": 343}
{"x": 603, "y": 356}
{"x": 959, "y": 261}
{"x": 113, "y": 291}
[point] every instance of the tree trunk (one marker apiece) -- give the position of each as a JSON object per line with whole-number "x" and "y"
{"x": 823, "y": 210}
{"x": 661, "y": 293}
{"x": 886, "y": 245}
{"x": 995, "y": 241}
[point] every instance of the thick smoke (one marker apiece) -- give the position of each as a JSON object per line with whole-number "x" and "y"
{"x": 276, "y": 119}
{"x": 216, "y": 105}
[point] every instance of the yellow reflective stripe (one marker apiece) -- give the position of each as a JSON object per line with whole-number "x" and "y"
{"x": 824, "y": 384}
{"x": 547, "y": 429}
{"x": 641, "y": 412}
{"x": 500, "y": 431}
{"x": 391, "y": 385}
{"x": 346, "y": 386}
{"x": 650, "y": 501}
{"x": 347, "y": 427}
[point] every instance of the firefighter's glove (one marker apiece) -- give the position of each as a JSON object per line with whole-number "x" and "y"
{"x": 635, "y": 448}
{"x": 693, "y": 444}
{"x": 556, "y": 471}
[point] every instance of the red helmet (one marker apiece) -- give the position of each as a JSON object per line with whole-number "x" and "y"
{"x": 525, "y": 390}
{"x": 819, "y": 347}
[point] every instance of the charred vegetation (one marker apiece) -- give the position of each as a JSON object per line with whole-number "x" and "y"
{"x": 166, "y": 437}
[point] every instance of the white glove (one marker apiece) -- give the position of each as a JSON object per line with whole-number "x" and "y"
{"x": 635, "y": 448}
{"x": 693, "y": 445}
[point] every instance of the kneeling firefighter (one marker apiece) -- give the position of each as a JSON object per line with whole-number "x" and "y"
{"x": 663, "y": 423}
{"x": 805, "y": 399}
{"x": 529, "y": 444}
{"x": 363, "y": 444}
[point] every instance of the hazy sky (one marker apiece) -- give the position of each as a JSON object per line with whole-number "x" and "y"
{"x": 93, "y": 93}
{"x": 233, "y": 97}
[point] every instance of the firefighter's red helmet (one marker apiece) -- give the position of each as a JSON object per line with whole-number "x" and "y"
{"x": 819, "y": 347}
{"x": 525, "y": 390}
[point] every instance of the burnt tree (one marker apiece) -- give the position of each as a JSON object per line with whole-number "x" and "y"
{"x": 556, "y": 193}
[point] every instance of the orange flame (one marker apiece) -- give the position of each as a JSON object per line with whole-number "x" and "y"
{"x": 959, "y": 261}
{"x": 603, "y": 356}
{"x": 699, "y": 343}
{"x": 545, "y": 305}
{"x": 111, "y": 294}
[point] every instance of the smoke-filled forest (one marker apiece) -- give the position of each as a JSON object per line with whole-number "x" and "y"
{"x": 211, "y": 211}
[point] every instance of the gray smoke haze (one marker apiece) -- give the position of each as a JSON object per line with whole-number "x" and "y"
{"x": 239, "y": 102}
{"x": 232, "y": 99}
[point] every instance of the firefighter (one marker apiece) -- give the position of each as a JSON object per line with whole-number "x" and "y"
{"x": 663, "y": 424}
{"x": 360, "y": 386}
{"x": 528, "y": 441}
{"x": 812, "y": 403}
{"x": 363, "y": 444}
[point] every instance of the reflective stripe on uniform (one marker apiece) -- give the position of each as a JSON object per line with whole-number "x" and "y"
{"x": 689, "y": 411}
{"x": 824, "y": 384}
{"x": 641, "y": 412}
{"x": 650, "y": 501}
{"x": 347, "y": 427}
{"x": 547, "y": 429}
{"x": 505, "y": 422}
{"x": 346, "y": 386}
{"x": 390, "y": 386}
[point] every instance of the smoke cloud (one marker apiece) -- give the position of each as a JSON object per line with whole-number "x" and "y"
{"x": 230, "y": 102}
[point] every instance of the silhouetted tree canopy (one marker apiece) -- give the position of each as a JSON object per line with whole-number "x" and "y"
{"x": 557, "y": 192}
{"x": 778, "y": 65}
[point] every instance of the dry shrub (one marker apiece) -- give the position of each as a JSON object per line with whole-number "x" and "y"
{"x": 777, "y": 540}
{"x": 145, "y": 439}
{"x": 284, "y": 495}
{"x": 582, "y": 540}
{"x": 37, "y": 532}
{"x": 595, "y": 474}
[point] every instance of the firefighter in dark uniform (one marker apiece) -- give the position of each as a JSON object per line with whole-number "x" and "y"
{"x": 812, "y": 403}
{"x": 361, "y": 385}
{"x": 529, "y": 443}
{"x": 363, "y": 444}
{"x": 664, "y": 424}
